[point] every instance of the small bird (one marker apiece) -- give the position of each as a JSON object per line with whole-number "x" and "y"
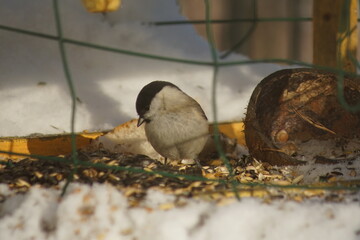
{"x": 175, "y": 124}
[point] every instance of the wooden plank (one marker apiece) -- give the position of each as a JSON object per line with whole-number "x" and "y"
{"x": 335, "y": 33}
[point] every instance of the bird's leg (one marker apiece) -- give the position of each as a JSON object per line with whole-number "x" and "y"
{"x": 197, "y": 161}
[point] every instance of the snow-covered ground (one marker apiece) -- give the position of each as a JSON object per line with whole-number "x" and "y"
{"x": 102, "y": 212}
{"x": 34, "y": 98}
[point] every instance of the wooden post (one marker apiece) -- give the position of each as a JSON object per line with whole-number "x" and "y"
{"x": 335, "y": 33}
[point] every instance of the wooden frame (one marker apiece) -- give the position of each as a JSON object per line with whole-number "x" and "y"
{"x": 335, "y": 33}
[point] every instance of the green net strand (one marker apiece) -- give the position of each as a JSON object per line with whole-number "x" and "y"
{"x": 214, "y": 56}
{"x": 345, "y": 31}
{"x": 229, "y": 21}
{"x": 68, "y": 77}
{"x": 72, "y": 93}
{"x": 105, "y": 48}
{"x": 247, "y": 34}
{"x": 178, "y": 60}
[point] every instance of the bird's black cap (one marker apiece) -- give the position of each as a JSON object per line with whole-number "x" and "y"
{"x": 147, "y": 93}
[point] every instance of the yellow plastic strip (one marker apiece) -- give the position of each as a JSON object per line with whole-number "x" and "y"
{"x": 54, "y": 145}
{"x": 44, "y": 145}
{"x": 96, "y": 6}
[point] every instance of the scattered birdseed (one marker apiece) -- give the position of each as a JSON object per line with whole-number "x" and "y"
{"x": 134, "y": 175}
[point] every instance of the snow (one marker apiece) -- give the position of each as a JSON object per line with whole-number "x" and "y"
{"x": 106, "y": 83}
{"x": 101, "y": 212}
{"x": 35, "y": 99}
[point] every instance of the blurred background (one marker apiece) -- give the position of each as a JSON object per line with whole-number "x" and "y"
{"x": 285, "y": 39}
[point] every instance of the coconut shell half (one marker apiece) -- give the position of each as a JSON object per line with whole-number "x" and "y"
{"x": 294, "y": 117}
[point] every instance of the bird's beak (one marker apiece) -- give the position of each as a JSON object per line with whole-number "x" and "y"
{"x": 140, "y": 121}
